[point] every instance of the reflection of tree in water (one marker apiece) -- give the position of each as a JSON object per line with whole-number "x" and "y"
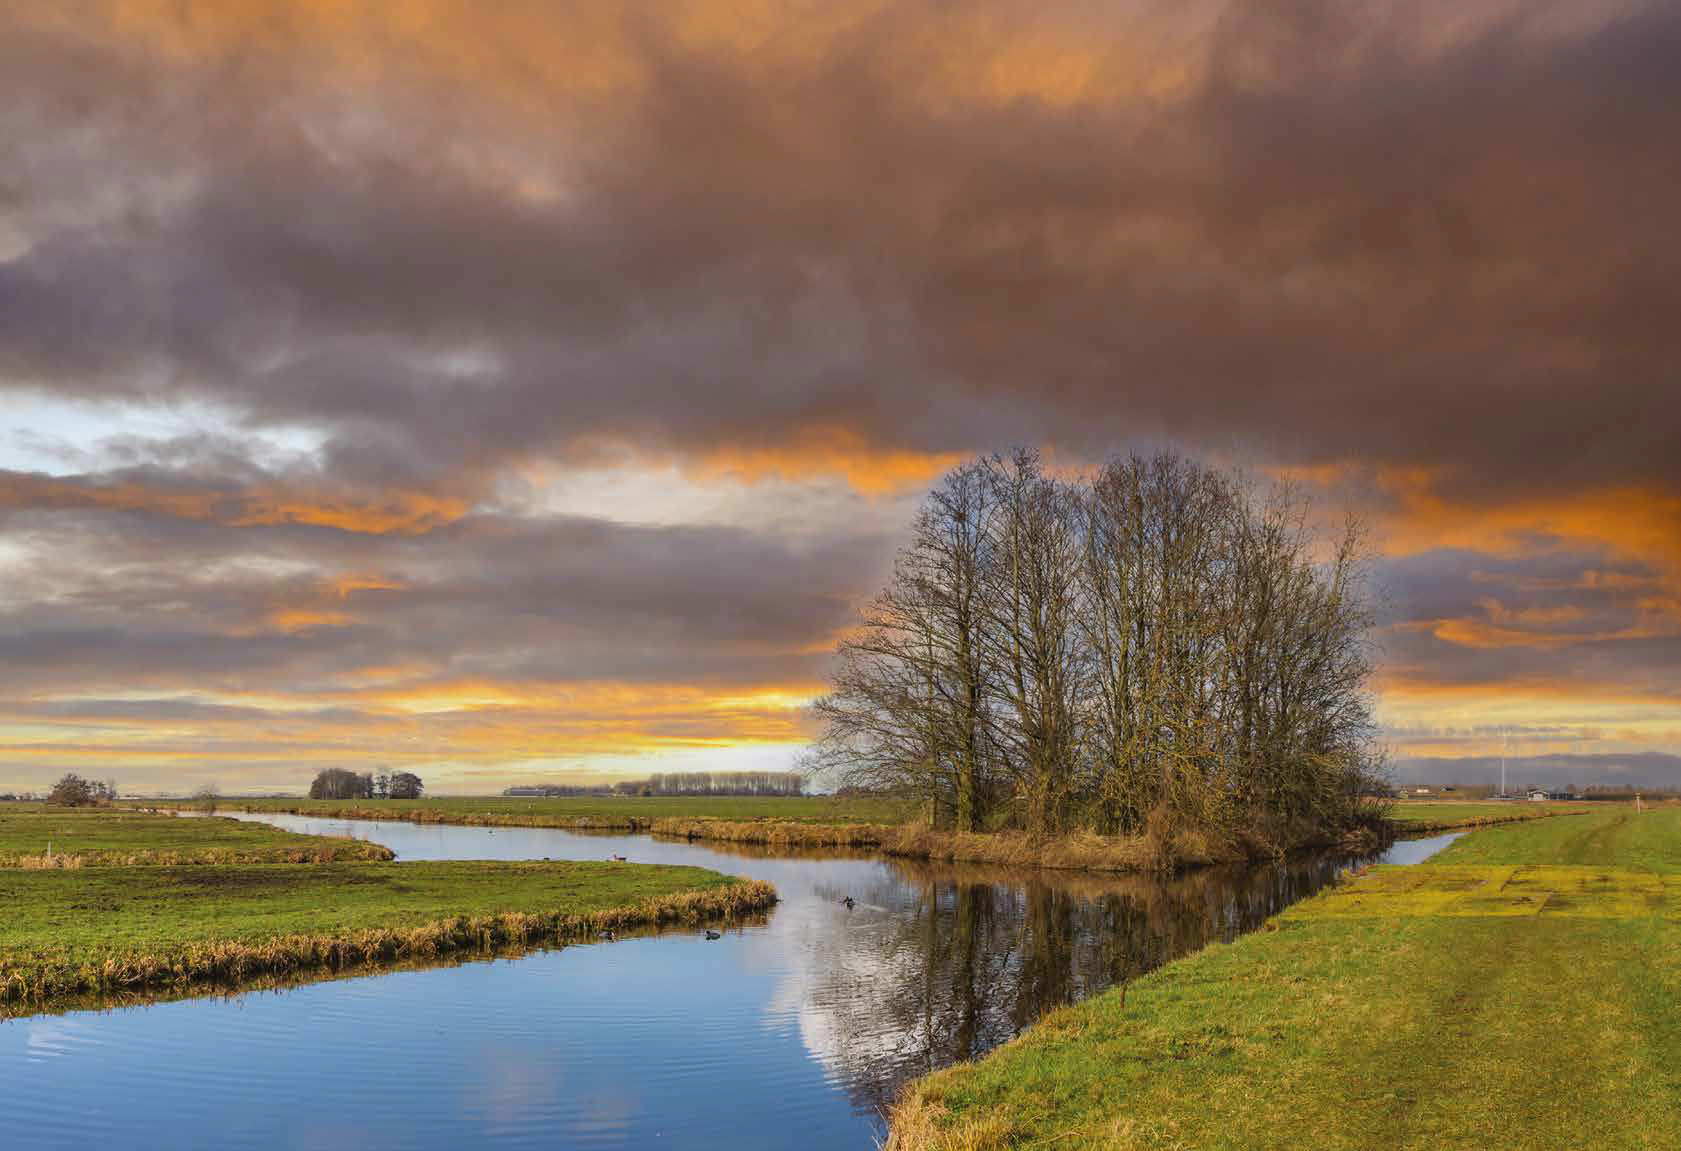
{"x": 941, "y": 963}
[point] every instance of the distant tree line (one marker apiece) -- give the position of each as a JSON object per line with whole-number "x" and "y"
{"x": 1158, "y": 641}
{"x": 717, "y": 783}
{"x": 338, "y": 783}
{"x": 680, "y": 783}
{"x": 1621, "y": 791}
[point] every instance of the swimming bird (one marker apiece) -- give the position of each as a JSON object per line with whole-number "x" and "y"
{"x": 713, "y": 935}
{"x": 607, "y": 935}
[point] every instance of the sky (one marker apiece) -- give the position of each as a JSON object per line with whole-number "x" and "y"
{"x": 522, "y": 392}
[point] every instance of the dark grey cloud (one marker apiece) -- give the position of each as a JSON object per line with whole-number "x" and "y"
{"x": 1639, "y": 769}
{"x": 135, "y": 599}
{"x": 1341, "y": 244}
{"x": 1555, "y": 616}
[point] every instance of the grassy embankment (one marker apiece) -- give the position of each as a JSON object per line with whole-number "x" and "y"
{"x": 1413, "y": 817}
{"x": 583, "y": 813}
{"x": 876, "y": 824}
{"x": 1522, "y": 990}
{"x": 119, "y": 928}
{"x": 156, "y": 926}
{"x": 37, "y": 836}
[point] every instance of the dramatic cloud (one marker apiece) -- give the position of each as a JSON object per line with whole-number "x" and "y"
{"x": 571, "y": 368}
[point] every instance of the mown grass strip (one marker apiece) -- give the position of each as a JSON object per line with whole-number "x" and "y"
{"x": 1424, "y": 817}
{"x": 1500, "y": 999}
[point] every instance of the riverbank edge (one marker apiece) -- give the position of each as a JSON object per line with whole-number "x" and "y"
{"x": 222, "y": 962}
{"x": 1413, "y": 828}
{"x": 339, "y": 851}
{"x": 920, "y": 1120}
{"x": 1079, "y": 851}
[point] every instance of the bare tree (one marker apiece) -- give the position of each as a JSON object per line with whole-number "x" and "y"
{"x": 403, "y": 785}
{"x": 1032, "y": 635}
{"x": 338, "y": 783}
{"x": 1157, "y": 643}
{"x": 73, "y": 791}
{"x": 911, "y": 702}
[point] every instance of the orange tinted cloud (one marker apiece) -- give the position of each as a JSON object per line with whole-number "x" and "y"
{"x": 1635, "y": 522}
{"x": 868, "y": 468}
{"x": 302, "y": 619}
{"x": 403, "y": 512}
{"x": 460, "y": 722}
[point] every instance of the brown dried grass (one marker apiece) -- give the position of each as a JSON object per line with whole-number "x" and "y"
{"x": 915, "y": 1126}
{"x": 338, "y": 851}
{"x": 1161, "y": 848}
{"x": 777, "y": 833}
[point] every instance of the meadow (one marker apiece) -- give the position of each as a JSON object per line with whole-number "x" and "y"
{"x": 1420, "y": 815}
{"x": 891, "y": 826}
{"x": 35, "y": 835}
{"x": 162, "y": 901}
{"x": 1521, "y": 990}
{"x": 587, "y": 812}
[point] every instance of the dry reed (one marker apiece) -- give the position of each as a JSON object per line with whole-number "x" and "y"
{"x": 1159, "y": 850}
{"x": 344, "y": 851}
{"x": 915, "y": 1126}
{"x": 777, "y": 833}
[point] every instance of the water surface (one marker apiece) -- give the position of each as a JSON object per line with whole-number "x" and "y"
{"x": 1410, "y": 851}
{"x": 794, "y": 1032}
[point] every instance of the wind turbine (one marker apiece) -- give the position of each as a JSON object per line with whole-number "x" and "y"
{"x": 1503, "y": 738}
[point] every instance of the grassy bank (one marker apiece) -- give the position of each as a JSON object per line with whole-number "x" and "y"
{"x": 1420, "y": 816}
{"x": 1522, "y": 991}
{"x": 776, "y": 832}
{"x": 58, "y": 837}
{"x": 1086, "y": 851}
{"x": 1072, "y": 851}
{"x": 69, "y": 932}
{"x": 810, "y": 822}
{"x": 581, "y": 813}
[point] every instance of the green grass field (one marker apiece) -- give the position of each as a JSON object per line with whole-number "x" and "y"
{"x": 1522, "y": 992}
{"x": 103, "y": 836}
{"x": 597, "y": 811}
{"x": 1602, "y": 838}
{"x": 121, "y": 927}
{"x": 1450, "y": 813}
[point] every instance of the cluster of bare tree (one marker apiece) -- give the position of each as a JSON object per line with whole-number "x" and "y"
{"x": 338, "y": 783}
{"x": 716, "y": 783}
{"x": 74, "y": 791}
{"x": 1156, "y": 641}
